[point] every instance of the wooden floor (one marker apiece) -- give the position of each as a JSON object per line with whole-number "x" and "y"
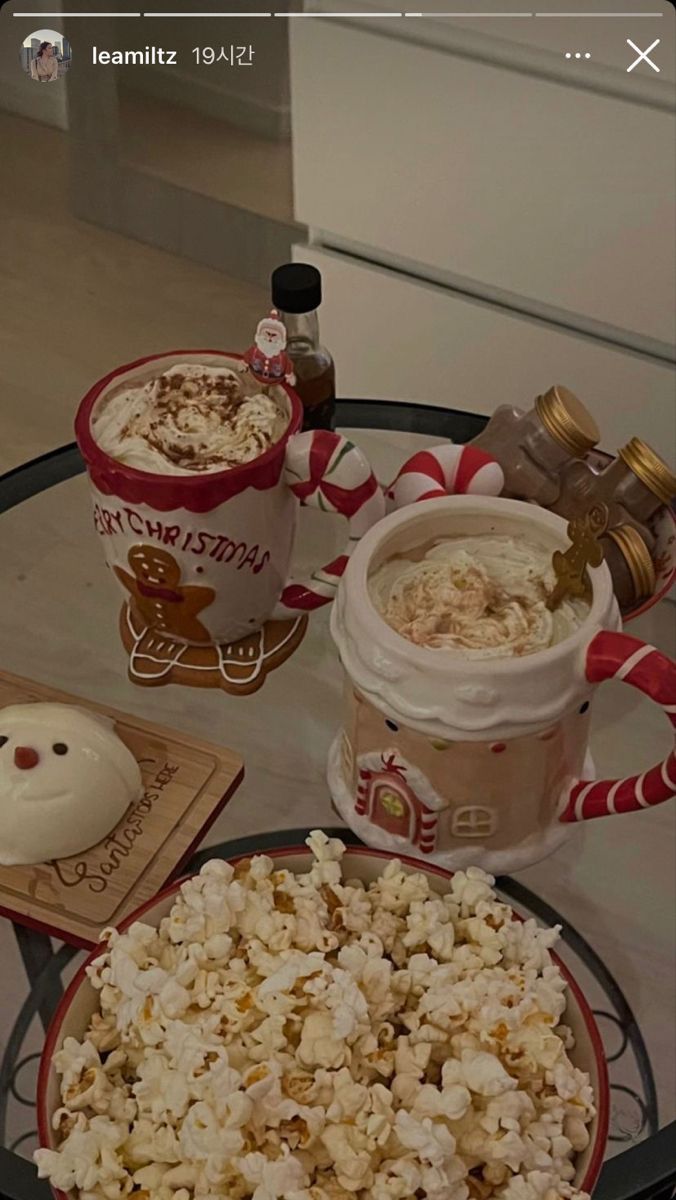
{"x": 207, "y": 156}
{"x": 76, "y": 299}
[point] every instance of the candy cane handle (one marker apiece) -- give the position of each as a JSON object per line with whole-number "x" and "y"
{"x": 618, "y": 656}
{"x": 326, "y": 471}
{"x": 445, "y": 470}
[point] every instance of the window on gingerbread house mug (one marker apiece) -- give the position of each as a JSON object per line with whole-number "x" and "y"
{"x": 474, "y": 821}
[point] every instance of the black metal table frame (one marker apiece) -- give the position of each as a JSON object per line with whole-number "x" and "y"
{"x": 645, "y": 1172}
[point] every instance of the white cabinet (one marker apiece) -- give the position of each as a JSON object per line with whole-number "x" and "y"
{"x": 558, "y": 195}
{"x": 484, "y": 229}
{"x": 398, "y": 339}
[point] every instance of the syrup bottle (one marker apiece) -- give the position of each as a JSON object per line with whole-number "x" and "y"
{"x": 297, "y": 294}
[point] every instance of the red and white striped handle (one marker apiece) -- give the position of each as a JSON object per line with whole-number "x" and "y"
{"x": 619, "y": 656}
{"x": 446, "y": 470}
{"x": 326, "y": 471}
{"x": 362, "y": 791}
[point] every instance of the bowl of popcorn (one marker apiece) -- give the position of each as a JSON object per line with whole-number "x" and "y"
{"x": 324, "y": 1024}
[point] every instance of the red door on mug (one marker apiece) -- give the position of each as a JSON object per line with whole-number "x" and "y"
{"x": 393, "y": 808}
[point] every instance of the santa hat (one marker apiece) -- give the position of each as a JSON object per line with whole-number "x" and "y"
{"x": 272, "y": 324}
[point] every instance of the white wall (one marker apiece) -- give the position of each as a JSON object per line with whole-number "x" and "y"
{"x": 254, "y": 98}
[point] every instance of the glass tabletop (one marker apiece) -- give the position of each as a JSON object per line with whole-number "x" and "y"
{"x": 611, "y": 887}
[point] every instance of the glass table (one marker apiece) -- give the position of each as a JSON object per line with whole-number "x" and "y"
{"x": 611, "y": 887}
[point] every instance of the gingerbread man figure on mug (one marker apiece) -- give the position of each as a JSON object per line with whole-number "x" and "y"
{"x": 159, "y": 599}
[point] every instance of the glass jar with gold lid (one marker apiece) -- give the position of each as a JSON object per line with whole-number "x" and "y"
{"x": 634, "y": 486}
{"x": 630, "y": 564}
{"x": 534, "y": 447}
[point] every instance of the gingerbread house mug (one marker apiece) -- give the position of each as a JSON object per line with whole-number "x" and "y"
{"x": 467, "y": 761}
{"x": 205, "y": 558}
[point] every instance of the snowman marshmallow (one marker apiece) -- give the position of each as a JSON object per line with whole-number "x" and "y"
{"x": 66, "y": 779}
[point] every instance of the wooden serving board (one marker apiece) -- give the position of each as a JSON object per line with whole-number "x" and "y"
{"x": 187, "y": 783}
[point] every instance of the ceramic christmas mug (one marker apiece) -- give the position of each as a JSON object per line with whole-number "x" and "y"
{"x": 205, "y": 558}
{"x": 485, "y": 761}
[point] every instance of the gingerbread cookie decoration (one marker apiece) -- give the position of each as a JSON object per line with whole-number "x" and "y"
{"x": 167, "y": 643}
{"x": 586, "y": 551}
{"x": 159, "y": 599}
{"x": 236, "y": 667}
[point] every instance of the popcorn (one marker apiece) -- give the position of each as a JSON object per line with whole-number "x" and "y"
{"x": 285, "y": 1037}
{"x": 432, "y": 1141}
{"x": 86, "y": 1158}
{"x": 451, "y": 1102}
{"x": 274, "y": 1180}
{"x": 202, "y": 1135}
{"x": 484, "y": 1073}
{"x": 349, "y": 1150}
{"x": 576, "y": 1132}
{"x": 319, "y": 1046}
{"x": 161, "y": 1091}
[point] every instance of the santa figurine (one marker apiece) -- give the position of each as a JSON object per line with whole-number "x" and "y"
{"x": 267, "y": 358}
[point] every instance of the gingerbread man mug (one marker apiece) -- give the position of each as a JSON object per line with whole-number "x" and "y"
{"x": 204, "y": 557}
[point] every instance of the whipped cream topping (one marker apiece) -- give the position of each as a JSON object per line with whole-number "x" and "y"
{"x": 482, "y": 596}
{"x": 189, "y": 419}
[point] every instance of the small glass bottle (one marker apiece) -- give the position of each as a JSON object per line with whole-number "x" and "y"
{"x": 297, "y": 294}
{"x": 630, "y": 565}
{"x": 533, "y": 447}
{"x": 634, "y": 486}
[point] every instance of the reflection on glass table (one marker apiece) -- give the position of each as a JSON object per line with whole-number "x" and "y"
{"x": 610, "y": 888}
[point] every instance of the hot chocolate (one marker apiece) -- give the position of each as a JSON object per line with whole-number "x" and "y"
{"x": 190, "y": 419}
{"x": 481, "y": 596}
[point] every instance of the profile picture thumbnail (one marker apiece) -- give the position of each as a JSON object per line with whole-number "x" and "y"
{"x": 45, "y": 55}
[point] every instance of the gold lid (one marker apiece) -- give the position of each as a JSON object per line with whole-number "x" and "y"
{"x": 637, "y": 557}
{"x": 567, "y": 420}
{"x": 650, "y": 468}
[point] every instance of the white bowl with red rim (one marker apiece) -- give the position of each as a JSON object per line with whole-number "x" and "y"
{"x": 81, "y": 1000}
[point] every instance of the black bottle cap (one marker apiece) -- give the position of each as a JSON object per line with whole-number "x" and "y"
{"x": 296, "y": 288}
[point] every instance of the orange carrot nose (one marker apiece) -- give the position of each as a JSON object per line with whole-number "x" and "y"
{"x": 25, "y": 757}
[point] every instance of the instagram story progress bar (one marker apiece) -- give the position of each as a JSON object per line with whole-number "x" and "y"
{"x": 352, "y": 14}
